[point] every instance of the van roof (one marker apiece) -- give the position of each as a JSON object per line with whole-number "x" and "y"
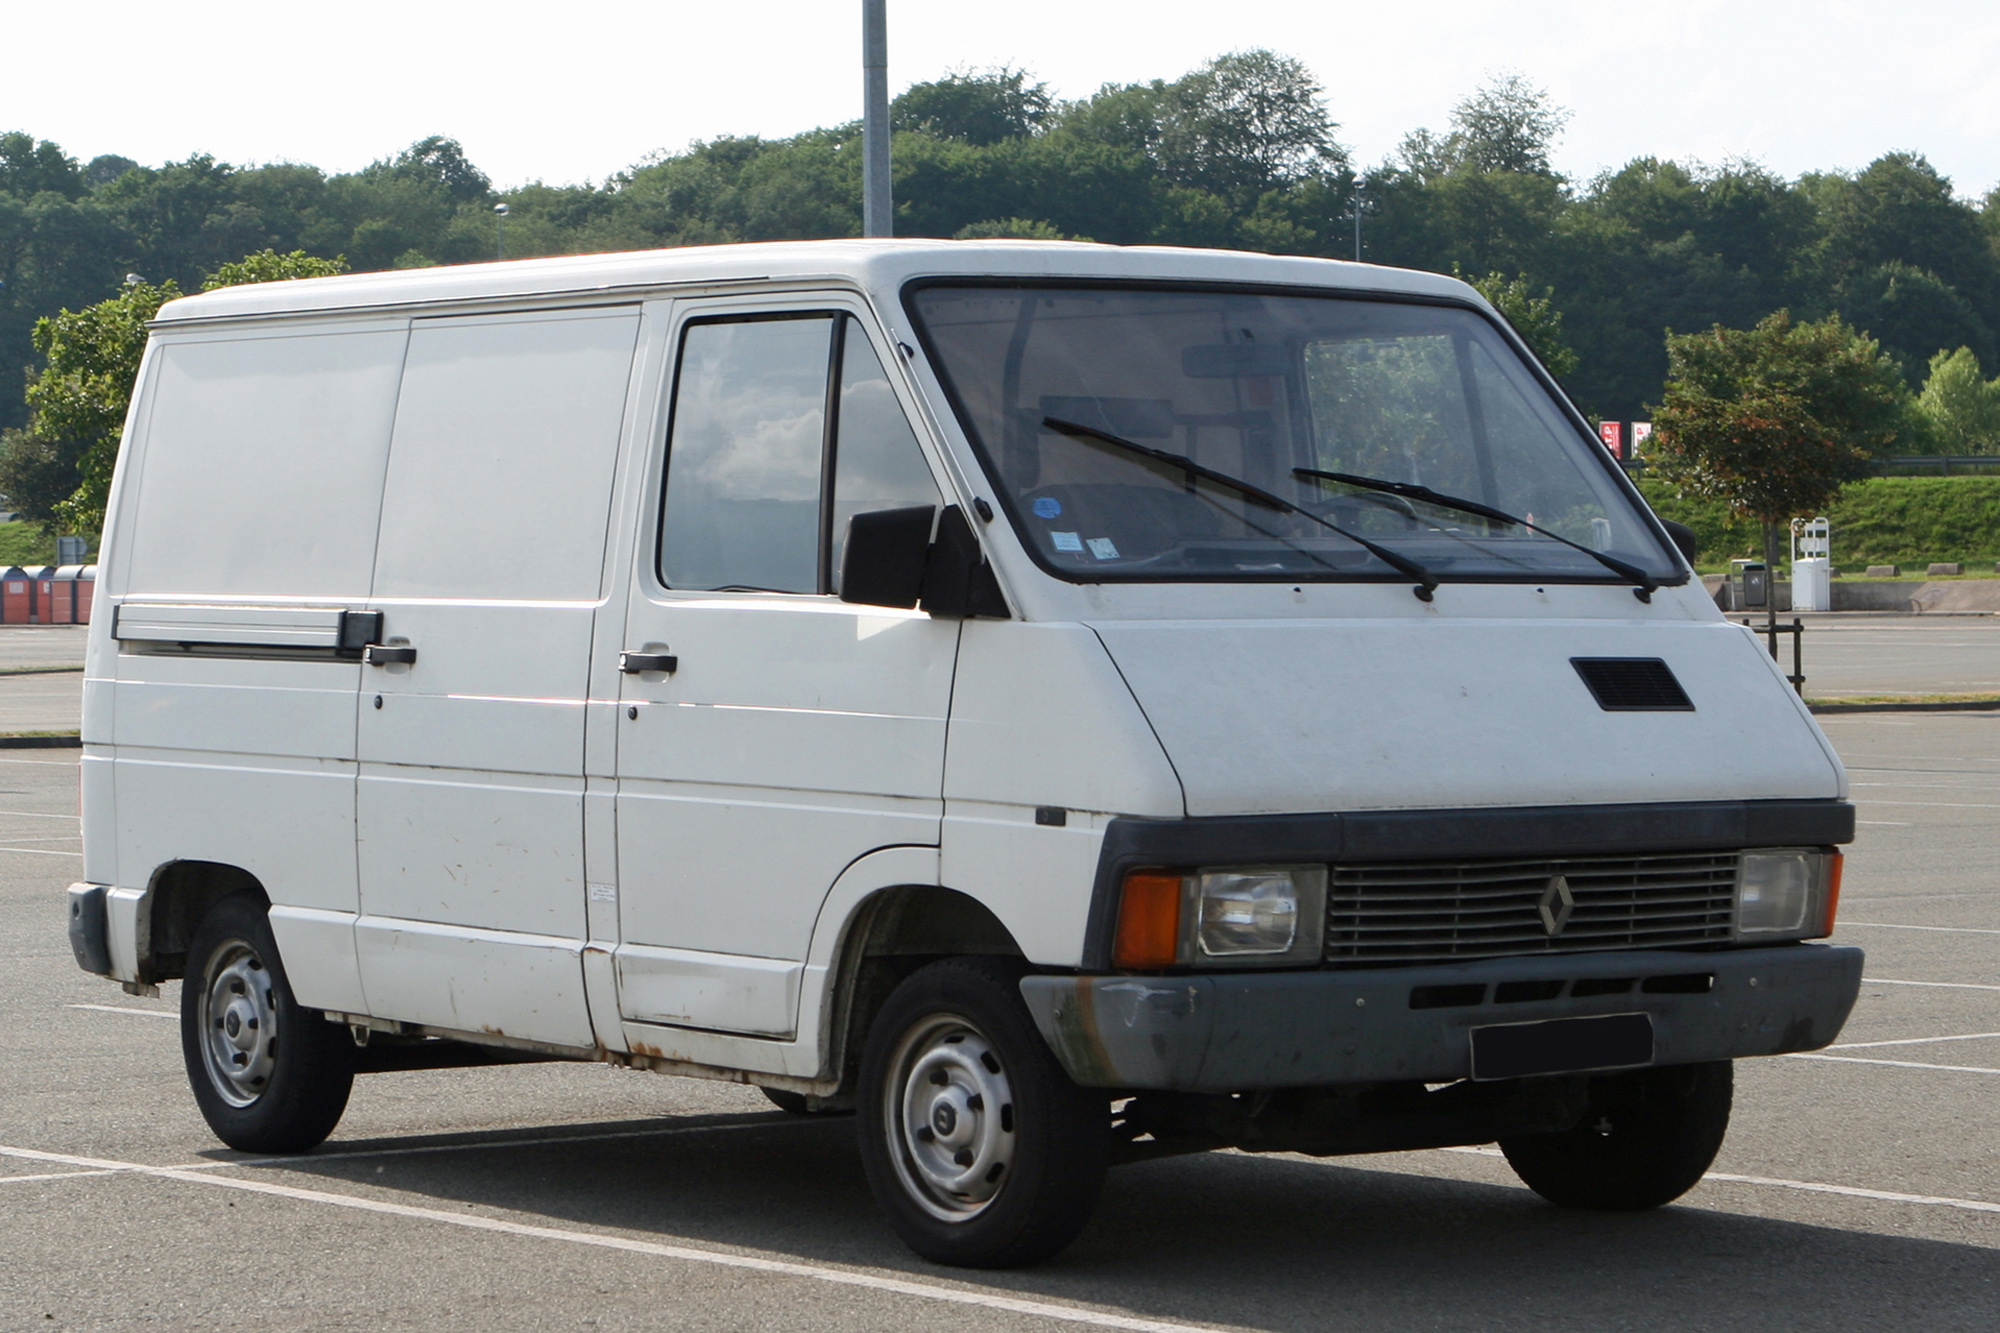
{"x": 877, "y": 264}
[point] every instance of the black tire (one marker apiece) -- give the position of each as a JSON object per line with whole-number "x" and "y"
{"x": 950, "y": 1041}
{"x": 269, "y": 1076}
{"x": 1647, "y": 1139}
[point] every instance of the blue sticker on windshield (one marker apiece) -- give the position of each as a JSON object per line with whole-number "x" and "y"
{"x": 1047, "y": 506}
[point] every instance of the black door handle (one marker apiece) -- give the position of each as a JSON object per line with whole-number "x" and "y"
{"x": 381, "y": 654}
{"x": 632, "y": 663}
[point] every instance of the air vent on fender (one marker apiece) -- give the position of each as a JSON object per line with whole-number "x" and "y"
{"x": 1632, "y": 684}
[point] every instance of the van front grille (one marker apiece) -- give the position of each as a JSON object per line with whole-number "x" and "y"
{"x": 1431, "y": 911}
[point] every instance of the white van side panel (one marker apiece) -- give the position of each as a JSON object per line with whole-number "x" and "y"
{"x": 254, "y": 480}
{"x": 261, "y": 469}
{"x": 469, "y": 815}
{"x": 1040, "y": 717}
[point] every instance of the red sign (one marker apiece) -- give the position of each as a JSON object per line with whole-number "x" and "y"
{"x": 1613, "y": 435}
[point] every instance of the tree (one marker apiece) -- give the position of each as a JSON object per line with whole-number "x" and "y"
{"x": 975, "y": 108}
{"x": 78, "y": 401}
{"x": 1534, "y": 317}
{"x": 1507, "y": 125}
{"x": 58, "y": 469}
{"x": 1774, "y": 420}
{"x": 1961, "y": 406}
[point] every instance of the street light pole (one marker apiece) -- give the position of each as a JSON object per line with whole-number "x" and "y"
{"x": 1360, "y": 206}
{"x": 500, "y": 211}
{"x": 876, "y": 218}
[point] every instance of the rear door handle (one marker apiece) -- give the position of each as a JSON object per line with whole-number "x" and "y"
{"x": 381, "y": 654}
{"x": 632, "y": 663}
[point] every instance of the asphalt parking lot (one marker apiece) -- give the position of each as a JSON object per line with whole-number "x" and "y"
{"x": 1859, "y": 1188}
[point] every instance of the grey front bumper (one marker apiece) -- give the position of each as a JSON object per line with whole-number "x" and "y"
{"x": 1225, "y": 1032}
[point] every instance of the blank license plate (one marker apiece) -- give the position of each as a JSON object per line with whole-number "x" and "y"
{"x": 1562, "y": 1046}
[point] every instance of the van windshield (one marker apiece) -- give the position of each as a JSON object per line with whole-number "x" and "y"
{"x": 1263, "y": 387}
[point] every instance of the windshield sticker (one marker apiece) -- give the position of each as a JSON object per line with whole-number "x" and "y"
{"x": 1067, "y": 541}
{"x": 1048, "y": 506}
{"x": 1103, "y": 549}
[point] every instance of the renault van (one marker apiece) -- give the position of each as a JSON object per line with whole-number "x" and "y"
{"x": 1063, "y": 704}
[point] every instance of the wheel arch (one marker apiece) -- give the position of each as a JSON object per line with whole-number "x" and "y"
{"x": 178, "y": 895}
{"x": 882, "y": 932}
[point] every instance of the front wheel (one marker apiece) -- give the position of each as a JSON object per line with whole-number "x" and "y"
{"x": 269, "y": 1076}
{"x": 978, "y": 1146}
{"x": 1649, "y": 1136}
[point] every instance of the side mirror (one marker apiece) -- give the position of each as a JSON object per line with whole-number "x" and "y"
{"x": 1683, "y": 539}
{"x": 883, "y": 563}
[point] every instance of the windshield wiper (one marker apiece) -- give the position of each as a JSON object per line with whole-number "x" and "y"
{"x": 1645, "y": 582}
{"x": 1427, "y": 581}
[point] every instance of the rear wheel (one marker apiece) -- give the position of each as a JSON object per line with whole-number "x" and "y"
{"x": 268, "y": 1075}
{"x": 1648, "y": 1138}
{"x": 978, "y": 1146}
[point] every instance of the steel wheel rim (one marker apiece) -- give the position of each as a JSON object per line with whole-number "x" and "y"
{"x": 949, "y": 1113}
{"x": 238, "y": 1021}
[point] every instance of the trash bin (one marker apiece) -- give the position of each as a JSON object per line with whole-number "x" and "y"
{"x": 1812, "y": 583}
{"x": 62, "y": 590}
{"x": 86, "y": 593}
{"x": 1751, "y": 585}
{"x": 41, "y": 591}
{"x": 17, "y": 596}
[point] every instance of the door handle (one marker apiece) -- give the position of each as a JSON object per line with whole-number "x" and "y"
{"x": 381, "y": 654}
{"x": 632, "y": 663}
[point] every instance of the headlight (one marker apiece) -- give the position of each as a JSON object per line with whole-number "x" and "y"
{"x": 1787, "y": 894}
{"x": 1221, "y": 916}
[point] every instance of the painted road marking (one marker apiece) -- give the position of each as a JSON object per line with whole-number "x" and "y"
{"x": 1948, "y": 930}
{"x": 990, "y": 1300}
{"x": 120, "y": 1009}
{"x": 1911, "y": 1041}
{"x": 1939, "y": 985}
{"x": 1900, "y": 1064}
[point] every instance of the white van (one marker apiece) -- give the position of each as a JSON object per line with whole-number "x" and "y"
{"x": 1066, "y": 704}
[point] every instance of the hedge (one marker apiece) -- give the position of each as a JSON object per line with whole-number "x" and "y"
{"x": 1907, "y": 521}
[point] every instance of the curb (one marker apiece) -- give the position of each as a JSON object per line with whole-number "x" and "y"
{"x": 41, "y": 742}
{"x": 1945, "y": 706}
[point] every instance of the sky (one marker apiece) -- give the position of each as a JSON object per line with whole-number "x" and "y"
{"x": 568, "y": 95}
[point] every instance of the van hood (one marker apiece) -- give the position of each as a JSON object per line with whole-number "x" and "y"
{"x": 1281, "y": 717}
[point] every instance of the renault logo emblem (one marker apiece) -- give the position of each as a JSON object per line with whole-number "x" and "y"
{"x": 1556, "y": 904}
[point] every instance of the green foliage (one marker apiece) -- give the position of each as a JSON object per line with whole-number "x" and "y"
{"x": 982, "y": 109}
{"x": 24, "y": 543}
{"x": 1961, "y": 406}
{"x": 57, "y": 470}
{"x": 1509, "y": 126}
{"x": 1533, "y": 316}
{"x": 1018, "y": 229}
{"x": 1907, "y": 521}
{"x": 270, "y": 266}
{"x": 1774, "y": 420}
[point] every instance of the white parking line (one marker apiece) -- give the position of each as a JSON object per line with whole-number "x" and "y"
{"x": 1947, "y": 930}
{"x": 1937, "y": 985}
{"x": 120, "y": 1009}
{"x": 1908, "y": 1041}
{"x": 35, "y": 814}
{"x": 990, "y": 1300}
{"x": 1900, "y": 1064}
{"x": 38, "y": 851}
{"x": 1814, "y": 1187}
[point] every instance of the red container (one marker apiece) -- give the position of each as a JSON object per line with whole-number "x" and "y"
{"x": 86, "y": 593}
{"x": 41, "y": 591}
{"x": 62, "y": 588}
{"x": 17, "y": 596}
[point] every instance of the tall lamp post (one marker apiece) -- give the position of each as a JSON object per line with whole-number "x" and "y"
{"x": 500, "y": 211}
{"x": 876, "y": 218}
{"x": 1360, "y": 207}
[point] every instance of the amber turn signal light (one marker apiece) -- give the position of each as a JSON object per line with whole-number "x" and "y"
{"x": 1149, "y": 920}
{"x": 1834, "y": 863}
